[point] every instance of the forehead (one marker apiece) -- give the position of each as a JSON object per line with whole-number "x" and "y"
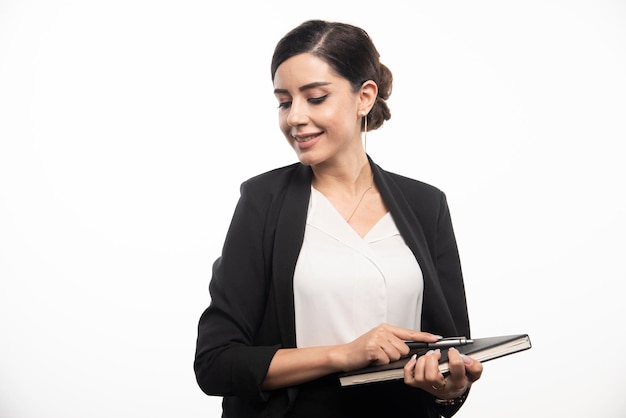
{"x": 303, "y": 69}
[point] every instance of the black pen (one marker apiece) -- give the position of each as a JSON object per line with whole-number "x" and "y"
{"x": 443, "y": 343}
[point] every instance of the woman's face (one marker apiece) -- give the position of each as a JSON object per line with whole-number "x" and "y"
{"x": 318, "y": 110}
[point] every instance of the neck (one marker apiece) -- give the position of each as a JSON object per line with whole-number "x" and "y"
{"x": 347, "y": 179}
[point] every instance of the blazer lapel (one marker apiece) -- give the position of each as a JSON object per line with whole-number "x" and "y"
{"x": 436, "y": 316}
{"x": 287, "y": 244}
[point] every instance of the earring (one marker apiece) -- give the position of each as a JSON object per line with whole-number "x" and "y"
{"x": 364, "y": 114}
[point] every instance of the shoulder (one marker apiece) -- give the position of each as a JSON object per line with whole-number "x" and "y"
{"x": 271, "y": 187}
{"x": 414, "y": 186}
{"x": 276, "y": 178}
{"x": 415, "y": 191}
{"x": 412, "y": 200}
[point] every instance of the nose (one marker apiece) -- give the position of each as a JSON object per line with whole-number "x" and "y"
{"x": 297, "y": 114}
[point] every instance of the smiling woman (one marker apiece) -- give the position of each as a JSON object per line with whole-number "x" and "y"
{"x": 332, "y": 263}
{"x": 114, "y": 117}
{"x": 328, "y": 109}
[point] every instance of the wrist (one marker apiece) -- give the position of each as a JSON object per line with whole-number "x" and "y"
{"x": 457, "y": 400}
{"x": 451, "y": 402}
{"x": 337, "y": 359}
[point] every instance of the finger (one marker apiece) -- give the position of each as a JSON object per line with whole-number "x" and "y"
{"x": 473, "y": 368}
{"x": 393, "y": 346}
{"x": 457, "y": 378}
{"x": 407, "y": 334}
{"x": 418, "y": 369}
{"x": 432, "y": 380}
{"x": 409, "y": 370}
{"x": 386, "y": 337}
{"x": 378, "y": 356}
{"x": 455, "y": 362}
{"x": 431, "y": 368}
{"x": 426, "y": 371}
{"x": 397, "y": 349}
{"x": 420, "y": 336}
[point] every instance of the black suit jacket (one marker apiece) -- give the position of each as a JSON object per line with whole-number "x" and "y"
{"x": 251, "y": 314}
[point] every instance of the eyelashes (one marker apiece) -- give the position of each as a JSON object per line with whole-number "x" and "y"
{"x": 318, "y": 100}
{"x": 312, "y": 100}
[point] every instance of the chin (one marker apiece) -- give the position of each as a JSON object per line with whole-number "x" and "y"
{"x": 311, "y": 157}
{"x": 305, "y": 160}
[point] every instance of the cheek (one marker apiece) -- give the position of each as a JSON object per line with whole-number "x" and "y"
{"x": 337, "y": 117}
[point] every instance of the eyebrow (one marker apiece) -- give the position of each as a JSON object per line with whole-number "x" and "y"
{"x": 309, "y": 86}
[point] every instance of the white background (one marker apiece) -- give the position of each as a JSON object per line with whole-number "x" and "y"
{"x": 126, "y": 127}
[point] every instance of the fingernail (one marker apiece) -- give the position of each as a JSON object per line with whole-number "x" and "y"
{"x": 414, "y": 357}
{"x": 430, "y": 352}
{"x": 467, "y": 360}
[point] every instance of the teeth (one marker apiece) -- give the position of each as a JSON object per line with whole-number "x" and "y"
{"x": 304, "y": 138}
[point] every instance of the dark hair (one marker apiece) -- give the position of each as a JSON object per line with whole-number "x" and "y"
{"x": 349, "y": 51}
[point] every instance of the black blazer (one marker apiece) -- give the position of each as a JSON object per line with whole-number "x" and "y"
{"x": 251, "y": 314}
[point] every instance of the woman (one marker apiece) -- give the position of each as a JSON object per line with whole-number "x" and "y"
{"x": 332, "y": 263}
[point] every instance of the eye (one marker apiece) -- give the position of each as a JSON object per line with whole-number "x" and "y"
{"x": 318, "y": 100}
{"x": 284, "y": 105}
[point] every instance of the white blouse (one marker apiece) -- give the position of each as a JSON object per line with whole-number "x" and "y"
{"x": 345, "y": 285}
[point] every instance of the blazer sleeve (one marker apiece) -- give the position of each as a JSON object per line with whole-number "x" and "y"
{"x": 448, "y": 266}
{"x": 227, "y": 360}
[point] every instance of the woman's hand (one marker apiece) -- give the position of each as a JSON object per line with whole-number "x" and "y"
{"x": 380, "y": 345}
{"x": 385, "y": 343}
{"x": 423, "y": 372}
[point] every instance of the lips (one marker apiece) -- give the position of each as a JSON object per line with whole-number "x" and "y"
{"x": 306, "y": 137}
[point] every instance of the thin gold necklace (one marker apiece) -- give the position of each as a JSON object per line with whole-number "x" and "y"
{"x": 360, "y": 200}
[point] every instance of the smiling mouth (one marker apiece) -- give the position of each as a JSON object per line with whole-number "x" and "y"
{"x": 305, "y": 138}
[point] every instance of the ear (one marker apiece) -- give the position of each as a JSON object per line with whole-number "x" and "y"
{"x": 367, "y": 97}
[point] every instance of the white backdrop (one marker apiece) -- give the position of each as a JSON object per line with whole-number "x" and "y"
{"x": 126, "y": 127}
